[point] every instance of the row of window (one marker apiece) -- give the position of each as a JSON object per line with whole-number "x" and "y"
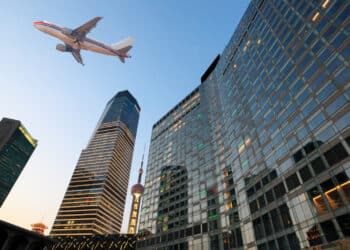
{"x": 272, "y": 222}
{"x": 330, "y": 233}
{"x": 333, "y": 156}
{"x": 173, "y": 189}
{"x": 336, "y": 191}
{"x": 264, "y": 181}
{"x": 284, "y": 242}
{"x": 176, "y": 235}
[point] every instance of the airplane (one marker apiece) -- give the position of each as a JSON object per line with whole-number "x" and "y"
{"x": 76, "y": 39}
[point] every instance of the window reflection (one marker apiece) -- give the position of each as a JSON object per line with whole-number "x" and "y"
{"x": 318, "y": 200}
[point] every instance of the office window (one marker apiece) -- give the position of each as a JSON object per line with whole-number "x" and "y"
{"x": 269, "y": 196}
{"x": 344, "y": 224}
{"x": 272, "y": 245}
{"x": 282, "y": 243}
{"x": 298, "y": 156}
{"x": 197, "y": 229}
{"x": 258, "y": 228}
{"x": 189, "y": 231}
{"x": 318, "y": 166}
{"x": 214, "y": 242}
{"x": 273, "y": 175}
{"x": 329, "y": 231}
{"x": 317, "y": 199}
{"x": 205, "y": 227}
{"x": 292, "y": 182}
{"x": 305, "y": 173}
{"x": 293, "y": 241}
{"x": 332, "y": 195}
{"x": 262, "y": 246}
{"x": 276, "y": 220}
{"x": 314, "y": 236}
{"x": 267, "y": 224}
{"x": 213, "y": 225}
{"x": 253, "y": 206}
{"x": 239, "y": 237}
{"x": 335, "y": 154}
{"x": 280, "y": 190}
{"x": 261, "y": 201}
{"x": 285, "y": 216}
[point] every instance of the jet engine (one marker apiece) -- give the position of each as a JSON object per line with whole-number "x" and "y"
{"x": 67, "y": 31}
{"x": 63, "y": 48}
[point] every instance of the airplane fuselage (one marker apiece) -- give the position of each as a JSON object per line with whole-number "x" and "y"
{"x": 86, "y": 44}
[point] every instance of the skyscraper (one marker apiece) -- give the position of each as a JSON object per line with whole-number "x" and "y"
{"x": 16, "y": 147}
{"x": 95, "y": 198}
{"x": 136, "y": 191}
{"x": 264, "y": 141}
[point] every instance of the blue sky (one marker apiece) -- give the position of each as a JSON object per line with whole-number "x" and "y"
{"x": 60, "y": 101}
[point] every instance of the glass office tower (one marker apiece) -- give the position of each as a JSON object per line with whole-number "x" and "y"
{"x": 16, "y": 147}
{"x": 267, "y": 147}
{"x": 95, "y": 198}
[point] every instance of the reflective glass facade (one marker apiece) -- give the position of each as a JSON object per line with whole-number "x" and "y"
{"x": 95, "y": 198}
{"x": 122, "y": 107}
{"x": 16, "y": 147}
{"x": 267, "y": 147}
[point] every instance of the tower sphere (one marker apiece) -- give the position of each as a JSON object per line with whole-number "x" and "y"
{"x": 137, "y": 189}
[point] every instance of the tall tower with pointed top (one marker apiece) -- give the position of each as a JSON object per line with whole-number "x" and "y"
{"x": 136, "y": 191}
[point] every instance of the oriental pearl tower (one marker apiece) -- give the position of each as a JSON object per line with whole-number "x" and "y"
{"x": 136, "y": 191}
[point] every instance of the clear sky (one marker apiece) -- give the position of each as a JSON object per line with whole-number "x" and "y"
{"x": 59, "y": 101}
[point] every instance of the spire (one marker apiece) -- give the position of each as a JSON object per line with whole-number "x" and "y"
{"x": 141, "y": 168}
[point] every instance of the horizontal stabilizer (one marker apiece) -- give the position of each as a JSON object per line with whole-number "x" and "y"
{"x": 122, "y": 59}
{"x": 125, "y": 49}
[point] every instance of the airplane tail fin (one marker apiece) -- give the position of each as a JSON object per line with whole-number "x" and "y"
{"x": 122, "y": 44}
{"x": 123, "y": 47}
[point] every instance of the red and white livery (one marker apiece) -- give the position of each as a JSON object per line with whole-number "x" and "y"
{"x": 76, "y": 39}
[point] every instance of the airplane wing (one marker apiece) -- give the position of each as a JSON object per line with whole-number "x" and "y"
{"x": 77, "y": 56}
{"x": 81, "y": 31}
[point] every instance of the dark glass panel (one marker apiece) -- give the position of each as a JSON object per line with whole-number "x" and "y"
{"x": 298, "y": 156}
{"x": 258, "y": 229}
{"x": 197, "y": 229}
{"x": 305, "y": 173}
{"x": 318, "y": 165}
{"x": 265, "y": 180}
{"x": 239, "y": 237}
{"x": 214, "y": 242}
{"x": 262, "y": 246}
{"x": 344, "y": 224}
{"x": 273, "y": 174}
{"x": 329, "y": 231}
{"x": 261, "y": 201}
{"x": 272, "y": 245}
{"x": 267, "y": 224}
{"x": 276, "y": 220}
{"x": 285, "y": 216}
{"x": 292, "y": 182}
{"x": 293, "y": 241}
{"x": 280, "y": 190}
{"x": 336, "y": 154}
{"x": 269, "y": 196}
{"x": 282, "y": 243}
{"x": 205, "y": 227}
